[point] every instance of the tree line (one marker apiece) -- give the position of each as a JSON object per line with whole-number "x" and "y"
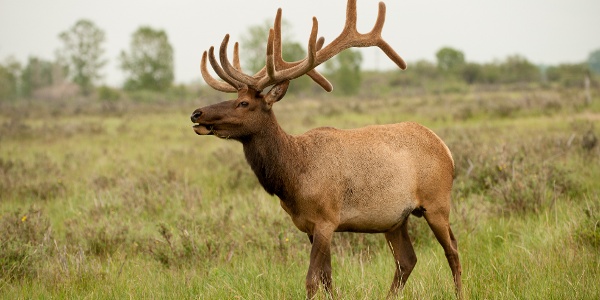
{"x": 451, "y": 63}
{"x": 148, "y": 65}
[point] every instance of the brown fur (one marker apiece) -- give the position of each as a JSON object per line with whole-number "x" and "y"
{"x": 368, "y": 179}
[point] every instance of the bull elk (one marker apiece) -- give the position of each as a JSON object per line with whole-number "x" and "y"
{"x": 328, "y": 180}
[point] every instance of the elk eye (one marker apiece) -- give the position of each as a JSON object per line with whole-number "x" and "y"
{"x": 243, "y": 104}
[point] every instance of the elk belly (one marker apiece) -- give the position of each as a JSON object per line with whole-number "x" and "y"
{"x": 377, "y": 198}
{"x": 374, "y": 221}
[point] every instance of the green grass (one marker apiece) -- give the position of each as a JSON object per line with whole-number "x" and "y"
{"x": 130, "y": 203}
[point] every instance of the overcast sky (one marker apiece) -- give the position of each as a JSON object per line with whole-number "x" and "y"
{"x": 544, "y": 31}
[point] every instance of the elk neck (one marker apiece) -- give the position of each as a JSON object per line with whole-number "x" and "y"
{"x": 276, "y": 159}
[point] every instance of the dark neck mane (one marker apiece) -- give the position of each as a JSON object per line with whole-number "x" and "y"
{"x": 273, "y": 156}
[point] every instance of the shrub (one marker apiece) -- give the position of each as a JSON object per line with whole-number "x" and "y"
{"x": 104, "y": 241}
{"x": 39, "y": 179}
{"x": 516, "y": 177}
{"x": 108, "y": 94}
{"x": 182, "y": 248}
{"x": 24, "y": 240}
{"x": 588, "y": 230}
{"x": 240, "y": 174}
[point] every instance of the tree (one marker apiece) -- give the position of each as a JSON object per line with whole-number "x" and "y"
{"x": 36, "y": 74}
{"x": 471, "y": 73}
{"x": 517, "y": 69}
{"x": 491, "y": 73}
{"x": 8, "y": 84}
{"x": 422, "y": 72}
{"x": 83, "y": 53}
{"x": 344, "y": 71}
{"x": 594, "y": 61}
{"x": 450, "y": 60}
{"x": 568, "y": 75}
{"x": 149, "y": 62}
{"x": 9, "y": 79}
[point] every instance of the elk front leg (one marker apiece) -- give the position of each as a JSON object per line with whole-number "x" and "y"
{"x": 320, "y": 262}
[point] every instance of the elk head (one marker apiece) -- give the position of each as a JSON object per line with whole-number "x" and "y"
{"x": 239, "y": 118}
{"x": 251, "y": 111}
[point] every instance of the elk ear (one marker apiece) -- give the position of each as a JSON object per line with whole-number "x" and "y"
{"x": 277, "y": 92}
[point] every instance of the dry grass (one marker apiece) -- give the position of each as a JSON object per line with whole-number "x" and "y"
{"x": 120, "y": 201}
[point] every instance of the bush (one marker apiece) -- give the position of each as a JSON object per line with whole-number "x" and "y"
{"x": 568, "y": 75}
{"x": 108, "y": 94}
{"x": 515, "y": 177}
{"x": 24, "y": 240}
{"x": 588, "y": 231}
{"x": 105, "y": 240}
{"x": 40, "y": 179}
{"x": 240, "y": 174}
{"x": 184, "y": 248}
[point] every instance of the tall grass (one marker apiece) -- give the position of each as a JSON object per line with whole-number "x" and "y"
{"x": 129, "y": 202}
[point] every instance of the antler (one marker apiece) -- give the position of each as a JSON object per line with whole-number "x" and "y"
{"x": 231, "y": 85}
{"x": 278, "y": 70}
{"x": 350, "y": 37}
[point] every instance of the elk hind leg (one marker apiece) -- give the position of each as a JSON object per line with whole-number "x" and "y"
{"x": 404, "y": 256}
{"x": 438, "y": 219}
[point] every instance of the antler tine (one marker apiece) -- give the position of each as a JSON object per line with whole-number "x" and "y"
{"x": 313, "y": 74}
{"x": 350, "y": 37}
{"x": 232, "y": 71}
{"x": 320, "y": 43}
{"x": 211, "y": 81}
{"x": 274, "y": 45}
{"x": 236, "y": 57}
{"x": 297, "y": 70}
{"x": 275, "y": 59}
{"x": 213, "y": 62}
{"x": 387, "y": 49}
{"x": 274, "y": 62}
{"x": 293, "y": 70}
{"x": 350, "y": 24}
{"x": 270, "y": 59}
{"x": 316, "y": 76}
{"x": 276, "y": 41}
{"x": 378, "y": 27}
{"x": 383, "y": 45}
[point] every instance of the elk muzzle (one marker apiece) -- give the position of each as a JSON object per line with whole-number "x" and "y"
{"x": 200, "y": 129}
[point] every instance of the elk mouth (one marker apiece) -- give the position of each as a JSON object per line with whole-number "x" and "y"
{"x": 203, "y": 129}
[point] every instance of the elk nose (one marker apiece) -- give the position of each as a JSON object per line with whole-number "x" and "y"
{"x": 195, "y": 115}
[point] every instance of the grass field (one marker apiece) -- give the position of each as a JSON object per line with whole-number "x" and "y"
{"x": 126, "y": 201}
